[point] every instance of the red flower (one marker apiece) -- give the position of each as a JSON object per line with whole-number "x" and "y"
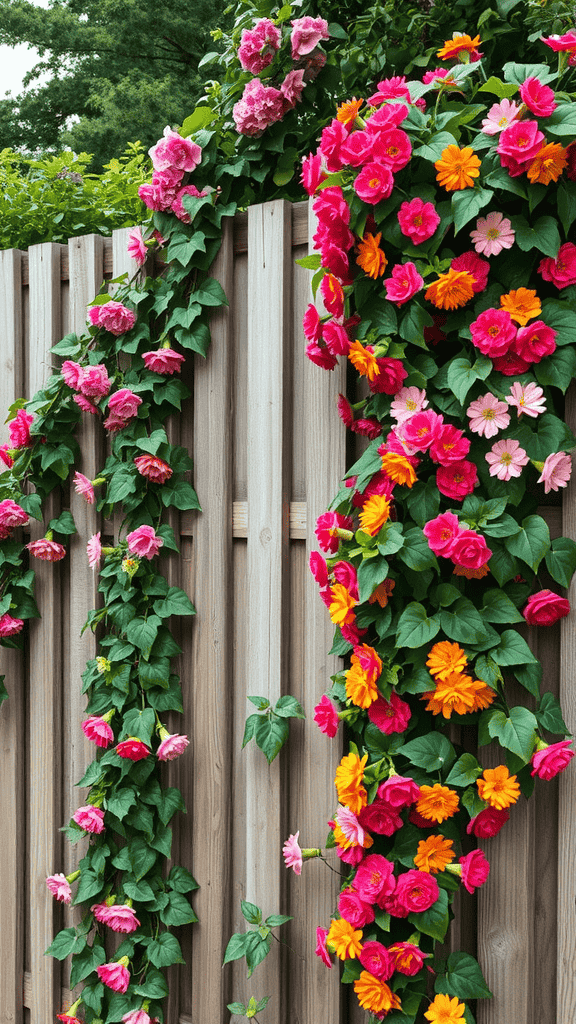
{"x": 475, "y": 870}
{"x": 153, "y": 469}
{"x": 488, "y": 823}
{"x": 552, "y": 759}
{"x": 132, "y": 749}
{"x": 545, "y": 608}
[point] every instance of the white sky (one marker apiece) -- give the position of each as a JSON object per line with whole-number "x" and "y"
{"x": 15, "y": 61}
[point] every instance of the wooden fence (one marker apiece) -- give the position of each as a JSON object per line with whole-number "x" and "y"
{"x": 268, "y": 451}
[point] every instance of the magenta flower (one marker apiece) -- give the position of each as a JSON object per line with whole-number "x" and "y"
{"x": 93, "y": 381}
{"x": 493, "y": 332}
{"x": 550, "y": 759}
{"x": 306, "y": 34}
{"x": 475, "y": 870}
{"x": 144, "y": 542}
{"x": 528, "y": 399}
{"x": 448, "y": 445}
{"x": 19, "y": 430}
{"x": 85, "y": 404}
{"x": 90, "y": 818}
{"x": 137, "y": 1017}
{"x": 390, "y": 716}
{"x": 115, "y": 975}
{"x": 374, "y": 183}
{"x": 113, "y": 316}
{"x": 326, "y": 716}
{"x": 171, "y": 747}
{"x": 258, "y": 46}
{"x": 441, "y": 533}
{"x": 59, "y": 886}
{"x": 9, "y": 626}
{"x": 418, "y": 220}
{"x": 122, "y": 918}
{"x": 173, "y": 152}
{"x": 327, "y": 526}
{"x": 488, "y": 415}
{"x": 83, "y": 486}
{"x": 556, "y": 471}
{"x": 163, "y": 360}
{"x": 321, "y": 950}
{"x": 534, "y": 341}
{"x": 132, "y": 749}
{"x": 561, "y": 44}
{"x": 293, "y": 854}
{"x": 94, "y": 550}
{"x": 506, "y": 459}
{"x": 500, "y": 116}
{"x": 403, "y": 284}
{"x": 539, "y": 98}
{"x": 97, "y": 730}
{"x": 47, "y": 550}
{"x": 492, "y": 234}
{"x": 136, "y": 247}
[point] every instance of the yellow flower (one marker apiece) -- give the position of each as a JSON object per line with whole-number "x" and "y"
{"x": 370, "y": 257}
{"x": 444, "y": 1010}
{"x": 348, "y": 782}
{"x": 375, "y": 995}
{"x": 341, "y": 605}
{"x": 434, "y": 853}
{"x": 457, "y": 168}
{"x": 446, "y": 658}
{"x": 344, "y": 939}
{"x": 548, "y": 164}
{"x": 363, "y": 360}
{"x": 456, "y": 692}
{"x": 458, "y": 44}
{"x": 451, "y": 290}
{"x": 498, "y": 787}
{"x": 360, "y": 688}
{"x": 399, "y": 469}
{"x": 375, "y": 512}
{"x": 437, "y": 803}
{"x": 523, "y": 305}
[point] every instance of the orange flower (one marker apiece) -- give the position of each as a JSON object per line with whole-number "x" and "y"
{"x": 375, "y": 512}
{"x": 375, "y": 995}
{"x": 363, "y": 360}
{"x": 523, "y": 305}
{"x": 437, "y": 803}
{"x": 348, "y": 782}
{"x": 370, "y": 257}
{"x": 451, "y": 290}
{"x": 341, "y": 605}
{"x": 345, "y": 843}
{"x": 454, "y": 693}
{"x": 446, "y": 658}
{"x": 399, "y": 469}
{"x": 457, "y": 168}
{"x": 457, "y": 45}
{"x": 382, "y": 593}
{"x": 498, "y": 787}
{"x": 348, "y": 112}
{"x": 434, "y": 853}
{"x": 484, "y": 695}
{"x": 471, "y": 574}
{"x": 548, "y": 164}
{"x": 360, "y": 686}
{"x": 344, "y": 939}
{"x": 444, "y": 1010}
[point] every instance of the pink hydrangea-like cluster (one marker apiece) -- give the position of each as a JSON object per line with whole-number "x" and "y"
{"x": 113, "y": 317}
{"x": 173, "y": 157}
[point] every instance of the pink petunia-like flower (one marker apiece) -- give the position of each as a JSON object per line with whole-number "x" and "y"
{"x": 293, "y": 86}
{"x": 556, "y": 471}
{"x": 376, "y": 959}
{"x": 354, "y": 909}
{"x": 136, "y": 247}
{"x": 448, "y": 445}
{"x": 407, "y": 402}
{"x": 375, "y": 877}
{"x": 518, "y": 145}
{"x": 178, "y": 207}
{"x": 470, "y": 550}
{"x": 539, "y": 98}
{"x": 59, "y": 886}
{"x": 132, "y": 749}
{"x": 488, "y": 823}
{"x": 561, "y": 44}
{"x": 393, "y": 148}
{"x": 506, "y": 459}
{"x": 137, "y": 1017}
{"x": 374, "y": 183}
{"x": 312, "y": 174}
{"x": 421, "y": 429}
{"x": 562, "y": 270}
{"x": 94, "y": 382}
{"x": 488, "y": 415}
{"x": 381, "y": 818}
{"x": 326, "y": 526}
{"x": 441, "y": 533}
{"x": 163, "y": 360}
{"x": 493, "y": 332}
{"x": 390, "y": 89}
{"x": 535, "y": 341}
{"x": 153, "y": 468}
{"x": 98, "y": 731}
{"x": 259, "y": 45}
{"x": 86, "y": 405}
{"x": 172, "y": 151}
{"x": 5, "y": 457}
{"x": 545, "y": 608}
{"x": 390, "y": 716}
{"x": 404, "y": 283}
{"x": 418, "y": 220}
{"x": 475, "y": 870}
{"x": 457, "y": 480}
{"x": 321, "y": 950}
{"x": 500, "y": 116}
{"x": 399, "y": 791}
{"x": 350, "y": 826}
{"x": 258, "y": 108}
{"x": 311, "y": 324}
{"x": 326, "y": 716}
{"x": 19, "y": 430}
{"x": 144, "y": 542}
{"x": 115, "y": 975}
{"x": 12, "y": 515}
{"x": 492, "y": 234}
{"x": 83, "y": 486}
{"x": 47, "y": 550}
{"x": 527, "y": 398}
{"x": 9, "y": 626}
{"x": 112, "y": 317}
{"x": 306, "y": 34}
{"x": 293, "y": 854}
{"x": 71, "y": 373}
{"x": 94, "y": 550}
{"x": 90, "y": 818}
{"x": 472, "y": 264}
{"x": 551, "y": 759}
{"x": 122, "y": 918}
{"x": 171, "y": 747}
{"x": 416, "y": 891}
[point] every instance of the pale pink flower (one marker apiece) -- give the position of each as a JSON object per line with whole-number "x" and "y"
{"x": 172, "y": 151}
{"x": 83, "y": 486}
{"x": 488, "y": 415}
{"x": 306, "y": 34}
{"x": 136, "y": 247}
{"x": 90, "y": 818}
{"x": 506, "y": 459}
{"x": 163, "y": 360}
{"x": 171, "y": 747}
{"x": 258, "y": 108}
{"x": 492, "y": 234}
{"x": 94, "y": 550}
{"x": 47, "y": 550}
{"x": 122, "y": 918}
{"x": 113, "y": 317}
{"x": 293, "y": 86}
{"x": 71, "y": 372}
{"x": 98, "y": 731}
{"x": 94, "y": 381}
{"x": 350, "y": 826}
{"x": 293, "y": 854}
{"x": 556, "y": 471}
{"x": 259, "y": 45}
{"x": 59, "y": 886}
{"x": 144, "y": 542}
{"x": 406, "y": 403}
{"x": 11, "y": 516}
{"x": 85, "y": 404}
{"x": 115, "y": 975}
{"x": 500, "y": 116}
{"x": 136, "y": 1017}
{"x": 528, "y": 399}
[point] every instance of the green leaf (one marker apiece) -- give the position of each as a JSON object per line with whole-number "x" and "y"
{"x": 176, "y": 602}
{"x": 562, "y": 121}
{"x": 558, "y": 369}
{"x": 544, "y": 236}
{"x": 122, "y": 483}
{"x": 559, "y": 316}
{"x": 275, "y": 920}
{"x": 532, "y": 541}
{"x": 89, "y": 885}
{"x": 464, "y": 772}
{"x": 251, "y": 912}
{"x": 63, "y": 524}
{"x": 460, "y": 377}
{"x": 413, "y": 323}
{"x": 270, "y": 734}
{"x": 66, "y": 942}
{"x": 257, "y": 948}
{"x": 465, "y": 624}
{"x": 311, "y": 262}
{"x": 433, "y": 922}
{"x": 549, "y": 715}
{"x": 164, "y": 951}
{"x": 512, "y": 650}
{"x": 210, "y": 293}
{"x": 423, "y": 501}
{"x": 432, "y": 751}
{"x": 236, "y": 1008}
{"x": 371, "y": 572}
{"x": 566, "y": 205}
{"x": 530, "y": 676}
{"x": 472, "y": 802}
{"x": 140, "y": 891}
{"x": 463, "y": 978}
{"x": 154, "y": 986}
{"x": 518, "y": 73}
{"x": 515, "y": 733}
{"x": 416, "y": 552}
{"x": 467, "y": 203}
{"x": 288, "y": 707}
{"x": 181, "y": 880}
{"x": 498, "y": 607}
{"x": 139, "y": 723}
{"x": 141, "y": 857}
{"x": 236, "y": 947}
{"x": 120, "y": 801}
{"x": 142, "y": 632}
{"x": 499, "y": 88}
{"x": 200, "y": 116}
{"x": 178, "y": 911}
{"x": 561, "y": 560}
{"x": 433, "y": 150}
{"x": 86, "y": 962}
{"x": 414, "y": 626}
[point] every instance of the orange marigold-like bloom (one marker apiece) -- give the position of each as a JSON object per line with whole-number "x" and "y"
{"x": 363, "y": 360}
{"x": 375, "y": 995}
{"x": 383, "y": 593}
{"x": 471, "y": 574}
{"x": 370, "y": 257}
{"x": 457, "y": 45}
{"x": 498, "y": 787}
{"x": 360, "y": 686}
{"x": 523, "y": 305}
{"x": 348, "y": 782}
{"x": 548, "y": 164}
{"x": 375, "y": 512}
{"x": 434, "y": 853}
{"x": 446, "y": 658}
{"x": 341, "y": 605}
{"x": 457, "y": 168}
{"x": 444, "y": 1010}
{"x": 484, "y": 695}
{"x": 348, "y": 112}
{"x": 437, "y": 803}
{"x": 399, "y": 469}
{"x": 344, "y": 939}
{"x": 451, "y": 290}
{"x": 454, "y": 693}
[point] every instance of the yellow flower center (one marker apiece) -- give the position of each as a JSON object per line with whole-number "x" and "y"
{"x": 492, "y": 233}
{"x": 488, "y": 414}
{"x": 411, "y": 404}
{"x": 505, "y": 458}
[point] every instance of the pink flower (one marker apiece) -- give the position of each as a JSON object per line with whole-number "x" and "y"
{"x": 10, "y": 626}
{"x": 380, "y": 817}
{"x": 562, "y": 270}
{"x": 408, "y": 958}
{"x": 332, "y": 140}
{"x": 431, "y": 76}
{"x": 153, "y": 468}
{"x": 132, "y": 749}
{"x": 374, "y": 183}
{"x": 12, "y": 515}
{"x": 312, "y": 174}
{"x": 416, "y": 891}
{"x": 47, "y": 550}
{"x": 457, "y": 480}
{"x": 538, "y": 98}
{"x": 390, "y": 716}
{"x": 506, "y": 459}
{"x": 174, "y": 152}
{"x": 389, "y": 116}
{"x": 441, "y": 533}
{"x": 545, "y": 608}
{"x": 556, "y": 471}
{"x": 528, "y": 399}
{"x": 326, "y": 525}
{"x": 418, "y": 220}
{"x": 178, "y": 207}
{"x": 551, "y": 759}
{"x": 500, "y": 116}
{"x": 59, "y": 886}
{"x": 100, "y": 911}
{"x": 448, "y": 445}
{"x": 83, "y": 486}
{"x": 259, "y": 45}
{"x": 375, "y": 878}
{"x": 158, "y": 195}
{"x": 376, "y": 959}
{"x": 259, "y": 107}
{"x": 144, "y": 542}
{"x": 333, "y": 295}
{"x": 321, "y": 950}
{"x": 421, "y": 429}
{"x": 492, "y": 234}
{"x": 488, "y": 415}
{"x": 390, "y": 377}
{"x": 392, "y": 147}
{"x": 389, "y": 89}
{"x": 318, "y": 568}
{"x": 493, "y": 332}
{"x": 98, "y": 731}
{"x": 511, "y": 365}
{"x": 115, "y": 975}
{"x": 311, "y": 324}
{"x": 71, "y": 373}
{"x": 171, "y": 747}
{"x": 326, "y": 716}
{"x": 399, "y": 791}
{"x": 113, "y": 317}
{"x": 474, "y": 265}
{"x": 292, "y": 87}
{"x": 487, "y": 823}
{"x": 5, "y": 457}
{"x": 136, "y": 247}
{"x": 85, "y": 405}
{"x": 350, "y": 826}
{"x": 163, "y": 360}
{"x": 123, "y": 405}
{"x": 534, "y": 341}
{"x": 122, "y": 918}
{"x": 518, "y": 145}
{"x": 407, "y": 402}
{"x": 93, "y": 381}
{"x": 90, "y": 818}
{"x": 475, "y": 870}
{"x": 306, "y": 34}
{"x": 293, "y": 854}
{"x": 19, "y": 430}
{"x": 357, "y": 148}
{"x": 94, "y": 550}
{"x": 561, "y": 44}
{"x": 136, "y": 1017}
{"x": 470, "y": 550}
{"x": 356, "y": 910}
{"x": 404, "y": 283}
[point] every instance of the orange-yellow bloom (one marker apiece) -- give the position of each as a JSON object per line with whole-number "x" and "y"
{"x": 471, "y": 574}
{"x": 523, "y": 305}
{"x": 456, "y": 692}
{"x": 446, "y": 658}
{"x": 457, "y": 168}
{"x": 399, "y": 469}
{"x": 341, "y": 605}
{"x": 375, "y": 512}
{"x": 361, "y": 688}
{"x": 444, "y": 1010}
{"x": 344, "y": 939}
{"x": 498, "y": 787}
{"x": 375, "y": 995}
{"x": 548, "y": 164}
{"x": 348, "y": 112}
{"x": 348, "y": 782}
{"x": 458, "y": 44}
{"x": 370, "y": 257}
{"x": 434, "y": 853}
{"x": 363, "y": 360}
{"x": 383, "y": 593}
{"x": 437, "y": 803}
{"x": 484, "y": 695}
{"x": 451, "y": 290}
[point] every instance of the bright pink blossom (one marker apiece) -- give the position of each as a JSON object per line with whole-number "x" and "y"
{"x": 390, "y": 716}
{"x": 380, "y": 817}
{"x": 538, "y": 98}
{"x": 393, "y": 148}
{"x": 493, "y": 332}
{"x": 113, "y": 317}
{"x": 293, "y": 854}
{"x": 172, "y": 151}
{"x": 332, "y": 295}
{"x": 59, "y": 886}
{"x": 177, "y": 205}
{"x": 500, "y": 116}
{"x": 114, "y": 975}
{"x": 171, "y": 747}
{"x": 136, "y": 247}
{"x": 137, "y": 1017}
{"x": 311, "y": 323}
{"x": 306, "y": 34}
{"x": 474, "y": 265}
{"x": 556, "y": 471}
{"x": 132, "y": 749}
{"x": 259, "y": 45}
{"x": 506, "y": 459}
{"x": 354, "y": 909}
{"x": 389, "y": 379}
{"x": 93, "y": 381}
{"x": 321, "y": 356}
{"x": 408, "y": 958}
{"x": 163, "y": 360}
{"x": 47, "y": 550}
{"x": 562, "y": 270}
{"x": 551, "y": 759}
{"x": 321, "y": 950}
{"x": 318, "y": 568}
{"x": 90, "y": 818}
{"x": 293, "y": 86}
{"x": 376, "y": 959}
{"x": 19, "y": 430}
{"x": 418, "y": 220}
{"x": 122, "y": 918}
{"x": 85, "y": 404}
{"x": 259, "y": 107}
{"x": 336, "y": 338}
{"x": 389, "y": 89}
{"x": 421, "y": 429}
{"x": 350, "y": 826}
{"x": 71, "y": 373}
{"x": 94, "y": 550}
{"x": 488, "y": 415}
{"x": 470, "y": 550}
{"x": 123, "y": 404}
{"x": 416, "y": 891}
{"x": 9, "y": 626}
{"x": 312, "y": 173}
{"x": 457, "y": 480}
{"x": 518, "y": 145}
{"x": 144, "y": 542}
{"x": 389, "y": 116}
{"x": 98, "y": 731}
{"x": 12, "y": 515}
{"x": 153, "y": 468}
{"x": 535, "y": 341}
{"x": 334, "y": 136}
{"x": 5, "y": 457}
{"x": 493, "y": 233}
{"x": 561, "y": 44}
{"x": 159, "y": 194}
{"x": 475, "y": 870}
{"x": 511, "y": 365}
{"x": 356, "y": 150}
{"x": 404, "y": 283}
{"x": 326, "y": 525}
{"x": 545, "y": 608}
{"x": 83, "y": 486}
{"x": 487, "y": 823}
{"x": 375, "y": 878}
{"x": 374, "y": 183}
{"x": 448, "y": 445}
{"x": 399, "y": 791}
{"x": 441, "y": 533}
